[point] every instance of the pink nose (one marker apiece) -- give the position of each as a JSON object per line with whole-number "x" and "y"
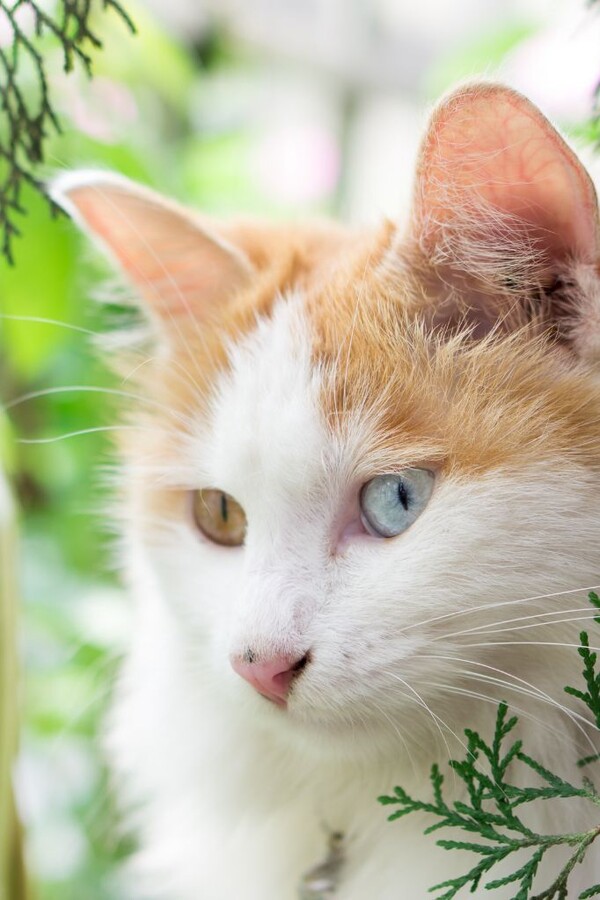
{"x": 271, "y": 677}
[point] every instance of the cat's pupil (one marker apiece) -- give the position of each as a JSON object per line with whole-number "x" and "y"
{"x": 389, "y": 504}
{"x": 402, "y": 494}
{"x": 219, "y": 517}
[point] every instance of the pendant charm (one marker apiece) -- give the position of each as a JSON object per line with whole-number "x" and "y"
{"x": 320, "y": 882}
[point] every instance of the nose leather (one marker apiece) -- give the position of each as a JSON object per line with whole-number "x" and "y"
{"x": 271, "y": 677}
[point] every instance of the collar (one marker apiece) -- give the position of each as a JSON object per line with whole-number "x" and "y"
{"x": 321, "y": 882}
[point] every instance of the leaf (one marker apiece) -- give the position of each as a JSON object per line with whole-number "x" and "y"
{"x": 43, "y": 286}
{"x": 595, "y": 601}
{"x": 28, "y": 118}
{"x": 525, "y": 875}
{"x": 588, "y": 759}
{"x": 591, "y": 697}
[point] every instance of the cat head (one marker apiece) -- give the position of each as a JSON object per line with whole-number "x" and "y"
{"x": 356, "y": 456}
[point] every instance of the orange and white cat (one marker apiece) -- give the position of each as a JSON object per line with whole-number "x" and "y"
{"x": 361, "y": 490}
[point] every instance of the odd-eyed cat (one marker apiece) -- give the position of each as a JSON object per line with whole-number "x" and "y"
{"x": 361, "y": 490}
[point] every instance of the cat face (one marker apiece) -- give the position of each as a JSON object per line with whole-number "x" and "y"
{"x": 363, "y": 460}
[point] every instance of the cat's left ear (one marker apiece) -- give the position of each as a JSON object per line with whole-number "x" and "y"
{"x": 503, "y": 207}
{"x": 177, "y": 262}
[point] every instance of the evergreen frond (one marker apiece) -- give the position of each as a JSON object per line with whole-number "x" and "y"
{"x": 26, "y": 121}
{"x": 492, "y": 800}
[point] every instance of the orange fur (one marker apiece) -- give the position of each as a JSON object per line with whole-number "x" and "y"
{"x": 462, "y": 342}
{"x": 442, "y": 398}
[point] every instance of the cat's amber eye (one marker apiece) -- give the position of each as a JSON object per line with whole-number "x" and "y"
{"x": 219, "y": 517}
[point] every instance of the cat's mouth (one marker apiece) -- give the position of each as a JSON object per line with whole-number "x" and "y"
{"x": 276, "y": 701}
{"x": 294, "y": 673}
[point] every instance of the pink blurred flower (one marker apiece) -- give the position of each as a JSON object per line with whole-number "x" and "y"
{"x": 558, "y": 68}
{"x": 102, "y": 108}
{"x": 25, "y": 19}
{"x": 298, "y": 164}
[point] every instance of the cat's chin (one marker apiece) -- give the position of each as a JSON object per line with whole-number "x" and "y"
{"x": 332, "y": 733}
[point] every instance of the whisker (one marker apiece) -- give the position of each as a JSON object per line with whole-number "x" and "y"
{"x": 86, "y": 388}
{"x": 183, "y": 376}
{"x": 538, "y": 615}
{"x": 438, "y": 721}
{"x": 489, "y": 630}
{"x": 45, "y": 321}
{"x": 529, "y": 644}
{"x": 466, "y": 692}
{"x": 498, "y": 605}
{"x": 501, "y": 682}
{"x": 95, "y": 430}
{"x": 398, "y": 732}
{"x": 575, "y": 717}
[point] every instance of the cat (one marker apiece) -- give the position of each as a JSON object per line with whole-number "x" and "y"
{"x": 361, "y": 494}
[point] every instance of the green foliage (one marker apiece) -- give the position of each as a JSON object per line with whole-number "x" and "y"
{"x": 26, "y": 118}
{"x": 591, "y": 697}
{"x": 149, "y": 113}
{"x": 490, "y": 811}
{"x": 480, "y": 53}
{"x": 137, "y": 115}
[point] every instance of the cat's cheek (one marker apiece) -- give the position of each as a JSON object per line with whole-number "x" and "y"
{"x": 198, "y": 581}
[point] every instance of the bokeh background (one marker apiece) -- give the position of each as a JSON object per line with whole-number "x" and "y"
{"x": 276, "y": 107}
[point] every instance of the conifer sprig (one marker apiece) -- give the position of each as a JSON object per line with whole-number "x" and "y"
{"x": 591, "y": 697}
{"x": 27, "y": 118}
{"x": 490, "y": 811}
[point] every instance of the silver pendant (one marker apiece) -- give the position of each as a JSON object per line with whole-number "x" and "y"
{"x": 320, "y": 882}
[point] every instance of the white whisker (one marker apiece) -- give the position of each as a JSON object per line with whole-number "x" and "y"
{"x": 539, "y": 615}
{"x": 528, "y": 644}
{"x": 457, "y": 689}
{"x": 438, "y": 721}
{"x": 398, "y": 732}
{"x": 575, "y": 717}
{"x": 85, "y": 388}
{"x": 488, "y": 629}
{"x": 536, "y": 695}
{"x": 497, "y": 605}
{"x": 97, "y": 429}
{"x": 182, "y": 375}
{"x": 45, "y": 321}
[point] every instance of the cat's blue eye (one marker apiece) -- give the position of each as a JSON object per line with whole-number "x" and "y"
{"x": 389, "y": 504}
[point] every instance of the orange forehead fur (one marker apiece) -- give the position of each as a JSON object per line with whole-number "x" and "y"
{"x": 440, "y": 398}
{"x": 179, "y": 380}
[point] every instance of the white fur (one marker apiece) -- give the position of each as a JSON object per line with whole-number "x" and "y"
{"x": 233, "y": 796}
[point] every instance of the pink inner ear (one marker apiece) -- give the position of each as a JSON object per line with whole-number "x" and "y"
{"x": 176, "y": 265}
{"x": 489, "y": 149}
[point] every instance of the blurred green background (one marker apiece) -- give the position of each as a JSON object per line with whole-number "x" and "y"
{"x": 274, "y": 109}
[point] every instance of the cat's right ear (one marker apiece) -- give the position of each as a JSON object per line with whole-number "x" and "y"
{"x": 177, "y": 263}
